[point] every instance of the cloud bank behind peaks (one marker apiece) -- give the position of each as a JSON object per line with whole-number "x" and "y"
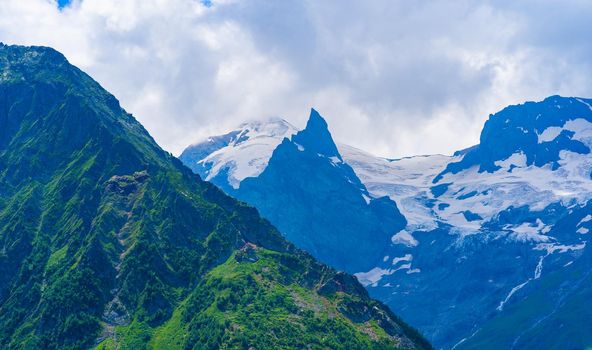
{"x": 393, "y": 77}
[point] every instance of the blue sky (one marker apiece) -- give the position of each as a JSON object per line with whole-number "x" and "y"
{"x": 62, "y": 3}
{"x": 393, "y": 77}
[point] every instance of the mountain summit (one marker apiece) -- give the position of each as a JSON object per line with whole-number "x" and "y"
{"x": 316, "y": 136}
{"x": 313, "y": 197}
{"x": 485, "y": 249}
{"x": 536, "y": 131}
{"x": 241, "y": 153}
{"x": 108, "y": 242}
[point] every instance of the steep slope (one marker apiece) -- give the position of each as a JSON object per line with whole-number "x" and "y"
{"x": 485, "y": 238}
{"x": 107, "y": 241}
{"x": 538, "y": 132}
{"x": 496, "y": 236}
{"x": 331, "y": 214}
{"x": 551, "y": 312}
{"x": 228, "y": 159}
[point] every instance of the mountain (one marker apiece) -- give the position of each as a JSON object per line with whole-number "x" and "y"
{"x": 489, "y": 238}
{"x": 536, "y": 132}
{"x": 109, "y": 242}
{"x": 493, "y": 252}
{"x": 239, "y": 154}
{"x": 306, "y": 190}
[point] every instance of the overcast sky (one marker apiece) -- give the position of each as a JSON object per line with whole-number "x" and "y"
{"x": 395, "y": 78}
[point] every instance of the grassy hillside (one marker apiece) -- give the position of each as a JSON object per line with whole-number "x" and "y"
{"x": 107, "y": 241}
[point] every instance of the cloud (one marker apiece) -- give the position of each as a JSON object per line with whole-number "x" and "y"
{"x": 393, "y": 77}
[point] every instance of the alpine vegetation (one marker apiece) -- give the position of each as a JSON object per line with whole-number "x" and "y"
{"x": 109, "y": 242}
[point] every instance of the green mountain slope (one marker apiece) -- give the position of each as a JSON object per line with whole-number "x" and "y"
{"x": 107, "y": 241}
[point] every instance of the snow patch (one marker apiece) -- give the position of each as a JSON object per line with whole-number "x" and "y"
{"x": 500, "y": 307}
{"x": 366, "y": 198}
{"x": 402, "y": 267}
{"x": 373, "y": 276}
{"x": 549, "y": 134}
{"x": 552, "y": 248}
{"x": 517, "y": 159}
{"x": 539, "y": 268}
{"x": 581, "y": 127}
{"x": 585, "y": 219}
{"x": 335, "y": 160}
{"x": 529, "y": 232}
{"x": 406, "y": 257}
{"x": 405, "y": 238}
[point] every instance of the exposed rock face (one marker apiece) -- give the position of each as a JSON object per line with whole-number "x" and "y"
{"x": 494, "y": 238}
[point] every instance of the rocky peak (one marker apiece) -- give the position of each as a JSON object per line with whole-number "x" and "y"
{"x": 316, "y": 136}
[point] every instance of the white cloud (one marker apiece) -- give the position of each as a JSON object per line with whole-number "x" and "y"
{"x": 392, "y": 77}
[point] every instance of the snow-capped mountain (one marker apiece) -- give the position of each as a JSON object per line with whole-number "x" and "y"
{"x": 494, "y": 238}
{"x": 305, "y": 189}
{"x": 239, "y": 154}
{"x": 428, "y": 193}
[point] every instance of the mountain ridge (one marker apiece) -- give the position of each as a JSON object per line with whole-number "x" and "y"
{"x": 482, "y": 228}
{"x": 312, "y": 154}
{"x": 525, "y": 134}
{"x": 109, "y": 242}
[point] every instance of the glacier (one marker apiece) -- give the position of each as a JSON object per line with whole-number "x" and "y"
{"x": 462, "y": 245}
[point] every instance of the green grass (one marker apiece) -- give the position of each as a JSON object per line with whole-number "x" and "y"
{"x": 56, "y": 257}
{"x": 92, "y": 212}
